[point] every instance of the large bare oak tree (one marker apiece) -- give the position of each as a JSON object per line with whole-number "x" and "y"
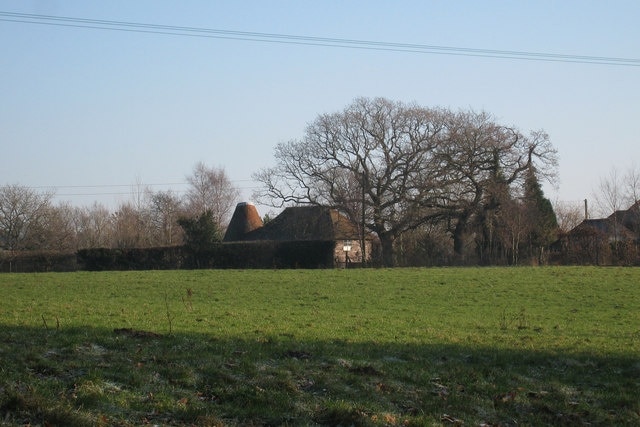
{"x": 392, "y": 166}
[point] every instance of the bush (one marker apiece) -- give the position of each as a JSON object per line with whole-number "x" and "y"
{"x": 256, "y": 254}
{"x": 37, "y": 261}
{"x": 163, "y": 258}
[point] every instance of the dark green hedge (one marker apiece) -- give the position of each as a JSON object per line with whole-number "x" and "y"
{"x": 258, "y": 254}
{"x": 272, "y": 254}
{"x": 98, "y": 259}
{"x": 37, "y": 261}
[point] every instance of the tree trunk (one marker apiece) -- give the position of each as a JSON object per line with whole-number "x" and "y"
{"x": 386, "y": 242}
{"x": 459, "y": 234}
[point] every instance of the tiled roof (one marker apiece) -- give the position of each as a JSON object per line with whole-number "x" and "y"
{"x": 620, "y": 225}
{"x": 245, "y": 219}
{"x": 307, "y": 223}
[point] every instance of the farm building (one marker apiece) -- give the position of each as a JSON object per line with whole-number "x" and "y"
{"x": 604, "y": 241}
{"x": 320, "y": 224}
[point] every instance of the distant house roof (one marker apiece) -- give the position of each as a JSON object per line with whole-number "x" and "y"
{"x": 306, "y": 223}
{"x": 621, "y": 225}
{"x": 605, "y": 227}
{"x": 629, "y": 218}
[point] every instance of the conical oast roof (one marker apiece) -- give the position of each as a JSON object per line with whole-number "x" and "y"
{"x": 245, "y": 219}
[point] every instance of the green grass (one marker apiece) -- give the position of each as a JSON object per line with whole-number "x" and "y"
{"x": 493, "y": 346}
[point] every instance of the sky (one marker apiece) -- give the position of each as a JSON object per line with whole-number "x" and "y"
{"x": 93, "y": 114}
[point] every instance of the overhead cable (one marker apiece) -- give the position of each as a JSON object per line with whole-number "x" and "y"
{"x": 173, "y": 30}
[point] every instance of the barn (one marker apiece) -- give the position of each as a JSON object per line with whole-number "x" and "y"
{"x": 325, "y": 226}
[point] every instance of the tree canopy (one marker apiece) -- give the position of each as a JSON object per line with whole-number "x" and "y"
{"x": 395, "y": 167}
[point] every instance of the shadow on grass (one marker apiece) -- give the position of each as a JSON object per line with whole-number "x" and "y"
{"x": 126, "y": 377}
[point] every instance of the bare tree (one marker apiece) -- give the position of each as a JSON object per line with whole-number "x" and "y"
{"x": 427, "y": 245}
{"x": 23, "y": 215}
{"x": 485, "y": 165}
{"x": 129, "y": 227}
{"x": 394, "y": 167}
{"x": 569, "y": 215}
{"x": 211, "y": 190}
{"x": 610, "y": 195}
{"x": 616, "y": 192}
{"x": 59, "y": 229}
{"x": 165, "y": 209}
{"x": 632, "y": 184}
{"x": 139, "y": 195}
{"x": 376, "y": 152}
{"x": 94, "y": 227}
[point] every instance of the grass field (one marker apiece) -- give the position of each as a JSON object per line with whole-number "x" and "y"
{"x": 472, "y": 346}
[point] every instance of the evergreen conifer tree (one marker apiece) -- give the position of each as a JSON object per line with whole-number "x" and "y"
{"x": 541, "y": 218}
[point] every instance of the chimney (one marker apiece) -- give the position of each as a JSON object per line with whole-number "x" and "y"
{"x": 245, "y": 219}
{"x": 586, "y": 210}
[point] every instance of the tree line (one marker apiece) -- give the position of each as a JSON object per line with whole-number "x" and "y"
{"x": 431, "y": 183}
{"x": 29, "y": 220}
{"x": 436, "y": 186}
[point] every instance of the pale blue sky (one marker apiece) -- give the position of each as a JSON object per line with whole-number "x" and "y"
{"x": 87, "y": 107}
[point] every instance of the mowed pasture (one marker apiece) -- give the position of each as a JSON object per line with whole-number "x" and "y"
{"x": 441, "y": 346}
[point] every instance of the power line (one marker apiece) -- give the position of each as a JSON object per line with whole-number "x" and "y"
{"x": 106, "y": 185}
{"x": 182, "y": 31}
{"x": 142, "y": 186}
